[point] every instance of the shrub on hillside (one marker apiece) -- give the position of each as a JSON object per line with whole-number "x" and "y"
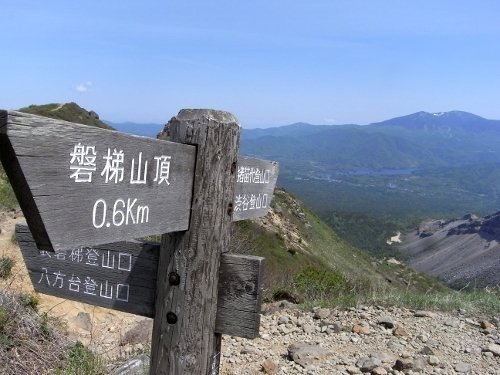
{"x": 7, "y": 196}
{"x": 316, "y": 284}
{"x": 29, "y": 343}
{"x": 81, "y": 361}
{"x": 35, "y": 344}
{"x": 6, "y": 265}
{"x": 29, "y": 300}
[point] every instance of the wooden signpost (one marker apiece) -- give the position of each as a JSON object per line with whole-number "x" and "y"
{"x": 255, "y": 184}
{"x": 122, "y": 276}
{"x": 80, "y": 185}
{"x": 83, "y": 189}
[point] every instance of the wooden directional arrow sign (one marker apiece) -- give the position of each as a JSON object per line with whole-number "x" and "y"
{"x": 254, "y": 188}
{"x": 80, "y": 186}
{"x": 122, "y": 276}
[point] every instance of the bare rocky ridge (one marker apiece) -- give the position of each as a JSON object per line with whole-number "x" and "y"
{"x": 368, "y": 339}
{"x": 465, "y": 251}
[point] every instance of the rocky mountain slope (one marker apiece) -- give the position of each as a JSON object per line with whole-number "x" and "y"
{"x": 305, "y": 260}
{"x": 370, "y": 338}
{"x": 461, "y": 252}
{"x": 297, "y": 244}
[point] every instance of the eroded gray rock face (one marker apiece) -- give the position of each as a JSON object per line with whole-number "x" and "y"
{"x": 387, "y": 322}
{"x": 458, "y": 251}
{"x": 140, "y": 333}
{"x": 135, "y": 366}
{"x": 463, "y": 368}
{"x": 493, "y": 348}
{"x": 367, "y": 364}
{"x": 84, "y": 321}
{"x": 306, "y": 354}
{"x": 322, "y": 313}
{"x": 294, "y": 341}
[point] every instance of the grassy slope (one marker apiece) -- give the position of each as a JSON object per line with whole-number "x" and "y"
{"x": 68, "y": 112}
{"x": 7, "y": 196}
{"x": 292, "y": 238}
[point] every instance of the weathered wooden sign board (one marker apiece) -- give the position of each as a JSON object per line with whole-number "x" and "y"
{"x": 122, "y": 276}
{"x": 81, "y": 188}
{"x": 109, "y": 186}
{"x": 255, "y": 182}
{"x": 106, "y": 186}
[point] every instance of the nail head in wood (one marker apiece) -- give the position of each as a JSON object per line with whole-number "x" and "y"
{"x": 171, "y": 318}
{"x": 174, "y": 278}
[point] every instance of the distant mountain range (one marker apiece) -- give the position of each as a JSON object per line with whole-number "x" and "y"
{"x": 419, "y": 165}
{"x": 443, "y": 122}
{"x": 144, "y": 129}
{"x": 365, "y": 179}
{"x": 418, "y": 140}
{"x": 393, "y": 143}
{"x": 368, "y": 181}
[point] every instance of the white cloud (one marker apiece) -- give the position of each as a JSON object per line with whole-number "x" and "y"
{"x": 83, "y": 87}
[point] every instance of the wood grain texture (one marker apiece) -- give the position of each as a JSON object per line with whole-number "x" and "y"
{"x": 240, "y": 295}
{"x": 21, "y": 188}
{"x": 39, "y": 155}
{"x": 64, "y": 274}
{"x": 3, "y": 121}
{"x": 239, "y": 291}
{"x": 255, "y": 183}
{"x": 191, "y": 346}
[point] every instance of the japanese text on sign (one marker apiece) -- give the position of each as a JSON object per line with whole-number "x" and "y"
{"x": 93, "y": 257}
{"x": 253, "y": 175}
{"x": 85, "y": 161}
{"x": 89, "y": 285}
{"x": 245, "y": 202}
{"x": 85, "y": 284}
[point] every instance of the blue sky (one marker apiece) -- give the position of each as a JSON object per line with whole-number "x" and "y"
{"x": 268, "y": 62}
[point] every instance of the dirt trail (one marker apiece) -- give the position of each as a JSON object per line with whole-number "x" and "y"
{"x": 58, "y": 107}
{"x": 100, "y": 328}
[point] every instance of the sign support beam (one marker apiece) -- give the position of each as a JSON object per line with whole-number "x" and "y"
{"x": 184, "y": 341}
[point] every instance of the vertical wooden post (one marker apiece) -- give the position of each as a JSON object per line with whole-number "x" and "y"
{"x": 184, "y": 338}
